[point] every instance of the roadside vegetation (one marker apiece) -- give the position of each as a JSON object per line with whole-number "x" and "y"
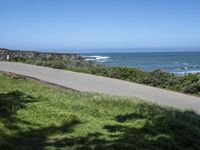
{"x": 189, "y": 83}
{"x": 34, "y": 116}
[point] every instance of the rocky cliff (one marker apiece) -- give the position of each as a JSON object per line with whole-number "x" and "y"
{"x": 34, "y": 54}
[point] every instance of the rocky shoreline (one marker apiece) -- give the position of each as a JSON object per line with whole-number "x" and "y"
{"x": 4, "y": 53}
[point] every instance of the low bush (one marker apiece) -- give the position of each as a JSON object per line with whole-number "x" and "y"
{"x": 192, "y": 88}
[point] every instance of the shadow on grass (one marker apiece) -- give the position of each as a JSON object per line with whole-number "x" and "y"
{"x": 37, "y": 139}
{"x": 10, "y": 103}
{"x": 148, "y": 127}
{"x": 33, "y": 139}
{"x": 162, "y": 129}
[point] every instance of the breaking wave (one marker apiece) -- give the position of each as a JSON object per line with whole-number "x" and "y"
{"x": 97, "y": 58}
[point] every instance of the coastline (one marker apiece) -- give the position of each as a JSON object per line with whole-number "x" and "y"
{"x": 179, "y": 63}
{"x": 187, "y": 83}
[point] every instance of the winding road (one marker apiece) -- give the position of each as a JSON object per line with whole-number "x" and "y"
{"x": 92, "y": 83}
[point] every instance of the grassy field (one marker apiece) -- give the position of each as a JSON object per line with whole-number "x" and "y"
{"x": 34, "y": 116}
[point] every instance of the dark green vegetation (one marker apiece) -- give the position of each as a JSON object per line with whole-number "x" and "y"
{"x": 54, "y": 62}
{"x": 34, "y": 116}
{"x": 188, "y": 83}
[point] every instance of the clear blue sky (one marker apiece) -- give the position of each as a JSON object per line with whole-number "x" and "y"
{"x": 99, "y": 24}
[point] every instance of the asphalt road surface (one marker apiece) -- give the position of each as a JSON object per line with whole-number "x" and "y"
{"x": 92, "y": 83}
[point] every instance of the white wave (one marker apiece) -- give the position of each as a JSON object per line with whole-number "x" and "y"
{"x": 89, "y": 59}
{"x": 185, "y": 68}
{"x": 97, "y": 58}
{"x": 102, "y": 57}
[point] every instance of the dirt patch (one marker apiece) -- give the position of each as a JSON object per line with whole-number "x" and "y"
{"x": 13, "y": 75}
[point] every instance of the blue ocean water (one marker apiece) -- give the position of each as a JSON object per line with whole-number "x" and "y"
{"x": 175, "y": 62}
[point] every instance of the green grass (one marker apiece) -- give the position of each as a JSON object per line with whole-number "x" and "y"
{"x": 34, "y": 116}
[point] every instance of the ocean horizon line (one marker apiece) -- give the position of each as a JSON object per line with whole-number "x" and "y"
{"x": 109, "y": 50}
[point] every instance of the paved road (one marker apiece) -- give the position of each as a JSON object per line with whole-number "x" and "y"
{"x": 91, "y": 83}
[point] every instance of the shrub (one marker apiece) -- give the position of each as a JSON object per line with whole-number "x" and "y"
{"x": 192, "y": 88}
{"x": 160, "y": 78}
{"x": 56, "y": 64}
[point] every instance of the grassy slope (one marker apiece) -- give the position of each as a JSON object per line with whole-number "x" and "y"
{"x": 34, "y": 116}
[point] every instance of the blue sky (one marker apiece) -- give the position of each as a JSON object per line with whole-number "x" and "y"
{"x": 82, "y": 25}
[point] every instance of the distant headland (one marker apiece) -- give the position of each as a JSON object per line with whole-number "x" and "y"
{"x": 4, "y": 53}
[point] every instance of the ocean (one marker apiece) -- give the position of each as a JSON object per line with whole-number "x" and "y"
{"x": 175, "y": 62}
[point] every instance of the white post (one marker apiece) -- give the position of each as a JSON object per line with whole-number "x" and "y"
{"x": 7, "y": 57}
